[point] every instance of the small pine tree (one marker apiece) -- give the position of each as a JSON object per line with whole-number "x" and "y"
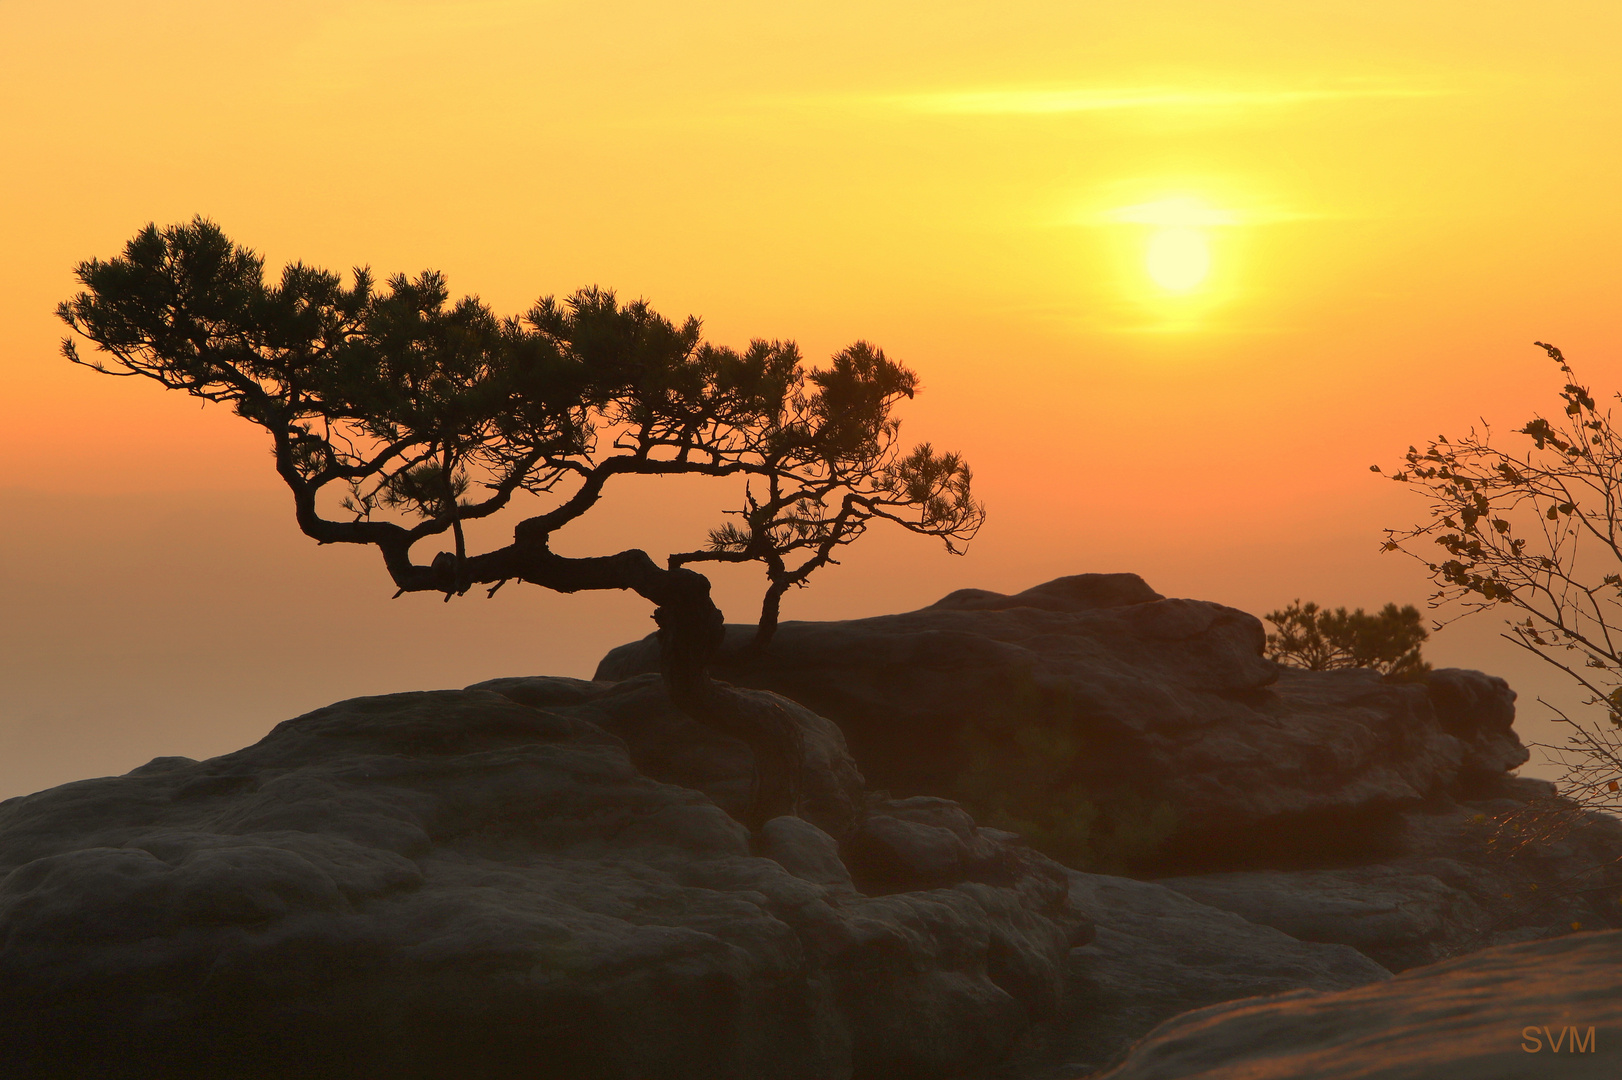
{"x": 1317, "y": 639}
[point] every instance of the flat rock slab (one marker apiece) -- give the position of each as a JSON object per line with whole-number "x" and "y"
{"x": 1534, "y": 1010}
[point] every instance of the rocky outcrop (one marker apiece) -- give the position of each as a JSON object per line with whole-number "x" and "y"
{"x": 1533, "y": 1010}
{"x": 546, "y": 878}
{"x": 1338, "y": 807}
{"x": 1463, "y": 877}
{"x": 668, "y": 744}
{"x": 454, "y": 884}
{"x": 1157, "y": 953}
{"x": 1169, "y": 700}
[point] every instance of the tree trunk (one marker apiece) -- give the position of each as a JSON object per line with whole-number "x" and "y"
{"x": 770, "y": 605}
{"x": 691, "y": 632}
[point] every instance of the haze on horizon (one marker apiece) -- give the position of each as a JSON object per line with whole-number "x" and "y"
{"x": 1173, "y": 276}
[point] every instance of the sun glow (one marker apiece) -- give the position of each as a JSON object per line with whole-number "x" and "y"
{"x": 1177, "y": 211}
{"x": 1178, "y": 258}
{"x": 1174, "y": 242}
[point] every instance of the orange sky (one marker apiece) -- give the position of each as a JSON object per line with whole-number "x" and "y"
{"x": 1396, "y": 199}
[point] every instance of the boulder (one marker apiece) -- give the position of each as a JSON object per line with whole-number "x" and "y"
{"x": 667, "y": 744}
{"x": 454, "y": 884}
{"x": 1478, "y": 710}
{"x": 1531, "y": 1010}
{"x": 806, "y": 852}
{"x": 1136, "y": 700}
{"x": 923, "y": 843}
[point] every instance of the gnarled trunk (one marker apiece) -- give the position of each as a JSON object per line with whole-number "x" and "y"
{"x": 691, "y": 631}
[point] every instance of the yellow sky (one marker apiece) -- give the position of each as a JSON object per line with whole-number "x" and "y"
{"x": 1394, "y": 200}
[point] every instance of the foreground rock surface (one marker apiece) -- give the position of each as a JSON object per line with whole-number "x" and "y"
{"x": 1170, "y": 700}
{"x": 1157, "y": 953}
{"x": 453, "y": 884}
{"x": 1534, "y": 1010}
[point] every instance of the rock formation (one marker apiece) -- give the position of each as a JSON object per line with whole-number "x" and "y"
{"x": 453, "y": 884}
{"x": 545, "y": 877}
{"x": 1169, "y": 700}
{"x": 667, "y": 744}
{"x": 1336, "y": 806}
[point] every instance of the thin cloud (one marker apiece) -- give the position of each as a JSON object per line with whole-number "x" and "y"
{"x": 1191, "y": 212}
{"x": 1053, "y": 102}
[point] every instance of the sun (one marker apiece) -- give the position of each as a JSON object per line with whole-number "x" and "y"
{"x": 1178, "y": 258}
{"x": 1174, "y": 242}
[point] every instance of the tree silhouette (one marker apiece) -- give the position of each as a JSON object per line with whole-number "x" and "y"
{"x": 396, "y": 416}
{"x": 1322, "y": 640}
{"x": 1535, "y": 532}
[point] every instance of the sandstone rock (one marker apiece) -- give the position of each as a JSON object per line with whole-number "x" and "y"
{"x": 924, "y": 843}
{"x": 806, "y": 852}
{"x": 455, "y": 885}
{"x": 1075, "y": 593}
{"x": 1479, "y": 710}
{"x": 1170, "y": 701}
{"x": 1458, "y": 880}
{"x": 1479, "y": 1016}
{"x": 1397, "y": 916}
{"x": 1157, "y": 953}
{"x": 667, "y": 744}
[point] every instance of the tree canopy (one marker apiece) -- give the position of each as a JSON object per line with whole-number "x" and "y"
{"x": 1321, "y": 640}
{"x": 408, "y": 402}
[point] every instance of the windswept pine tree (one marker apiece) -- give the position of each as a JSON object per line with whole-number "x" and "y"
{"x": 396, "y": 416}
